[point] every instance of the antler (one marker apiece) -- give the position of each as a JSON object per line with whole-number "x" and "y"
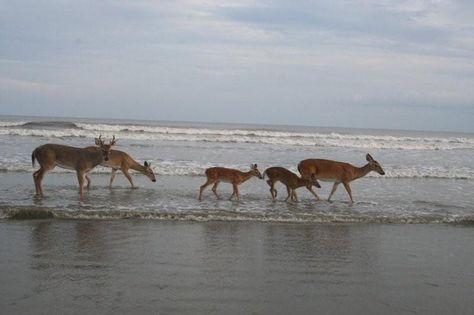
{"x": 112, "y": 142}
{"x": 99, "y": 141}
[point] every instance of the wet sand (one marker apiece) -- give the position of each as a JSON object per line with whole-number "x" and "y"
{"x": 169, "y": 267}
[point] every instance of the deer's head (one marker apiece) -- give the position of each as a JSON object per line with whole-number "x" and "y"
{"x": 255, "y": 172}
{"x": 314, "y": 181}
{"x": 149, "y": 172}
{"x": 374, "y": 165}
{"x": 105, "y": 148}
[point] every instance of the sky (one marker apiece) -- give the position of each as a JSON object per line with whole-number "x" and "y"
{"x": 353, "y": 63}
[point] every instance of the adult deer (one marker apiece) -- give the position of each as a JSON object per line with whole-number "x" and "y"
{"x": 215, "y": 175}
{"x": 119, "y": 160}
{"x": 338, "y": 172}
{"x": 290, "y": 180}
{"x": 81, "y": 160}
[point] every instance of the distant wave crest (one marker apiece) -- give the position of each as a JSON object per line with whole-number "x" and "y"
{"x": 50, "y": 124}
{"x": 66, "y": 129}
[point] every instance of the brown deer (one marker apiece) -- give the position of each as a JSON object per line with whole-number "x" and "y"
{"x": 215, "y": 175}
{"x": 79, "y": 159}
{"x": 119, "y": 160}
{"x": 290, "y": 180}
{"x": 338, "y": 172}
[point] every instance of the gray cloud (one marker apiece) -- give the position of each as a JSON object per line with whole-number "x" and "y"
{"x": 310, "y": 62}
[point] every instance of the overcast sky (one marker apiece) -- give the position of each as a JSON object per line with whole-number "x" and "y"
{"x": 355, "y": 63}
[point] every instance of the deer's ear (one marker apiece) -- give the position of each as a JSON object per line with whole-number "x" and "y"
{"x": 97, "y": 141}
{"x": 369, "y": 158}
{"x": 146, "y": 164}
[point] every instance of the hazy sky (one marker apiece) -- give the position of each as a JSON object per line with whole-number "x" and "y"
{"x": 355, "y": 63}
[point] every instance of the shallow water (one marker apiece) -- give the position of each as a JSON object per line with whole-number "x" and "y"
{"x": 429, "y": 175}
{"x": 169, "y": 267}
{"x": 175, "y": 198}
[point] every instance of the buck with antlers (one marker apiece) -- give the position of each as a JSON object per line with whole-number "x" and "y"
{"x": 215, "y": 175}
{"x": 81, "y": 160}
{"x": 119, "y": 160}
{"x": 338, "y": 172}
{"x": 290, "y": 180}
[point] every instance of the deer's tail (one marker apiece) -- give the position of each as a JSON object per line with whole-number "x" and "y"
{"x": 33, "y": 157}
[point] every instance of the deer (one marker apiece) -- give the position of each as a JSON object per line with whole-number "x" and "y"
{"x": 119, "y": 160}
{"x": 338, "y": 172}
{"x": 215, "y": 175}
{"x": 290, "y": 180}
{"x": 79, "y": 159}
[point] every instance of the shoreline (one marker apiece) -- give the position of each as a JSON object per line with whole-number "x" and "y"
{"x": 20, "y": 213}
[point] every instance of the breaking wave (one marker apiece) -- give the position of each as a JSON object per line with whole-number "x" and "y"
{"x": 257, "y": 136}
{"x": 35, "y": 212}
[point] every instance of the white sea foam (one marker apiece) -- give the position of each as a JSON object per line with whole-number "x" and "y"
{"x": 11, "y": 123}
{"x": 7, "y": 212}
{"x": 318, "y": 139}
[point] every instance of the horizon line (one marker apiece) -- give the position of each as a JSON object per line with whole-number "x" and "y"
{"x": 237, "y": 123}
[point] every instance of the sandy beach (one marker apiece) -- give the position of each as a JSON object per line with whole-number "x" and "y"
{"x": 166, "y": 267}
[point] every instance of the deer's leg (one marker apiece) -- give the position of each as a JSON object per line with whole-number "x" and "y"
{"x": 112, "y": 176}
{"x": 214, "y": 189}
{"x": 127, "y": 175}
{"x": 334, "y": 187}
{"x": 235, "y": 192}
{"x": 272, "y": 188}
{"x": 201, "y": 189}
{"x": 88, "y": 181}
{"x": 294, "y": 196}
{"x": 38, "y": 178}
{"x": 310, "y": 188}
{"x": 36, "y": 181}
{"x": 349, "y": 191}
{"x": 80, "y": 178}
{"x": 288, "y": 190}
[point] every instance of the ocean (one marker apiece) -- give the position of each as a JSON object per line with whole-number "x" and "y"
{"x": 429, "y": 175}
{"x": 403, "y": 247}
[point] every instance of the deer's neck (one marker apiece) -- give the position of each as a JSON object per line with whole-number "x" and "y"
{"x": 95, "y": 157}
{"x": 302, "y": 182}
{"x": 361, "y": 171}
{"x": 246, "y": 176}
{"x": 134, "y": 165}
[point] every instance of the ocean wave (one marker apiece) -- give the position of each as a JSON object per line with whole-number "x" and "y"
{"x": 35, "y": 212}
{"x": 50, "y": 124}
{"x": 11, "y": 123}
{"x": 269, "y": 137}
{"x": 193, "y": 168}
